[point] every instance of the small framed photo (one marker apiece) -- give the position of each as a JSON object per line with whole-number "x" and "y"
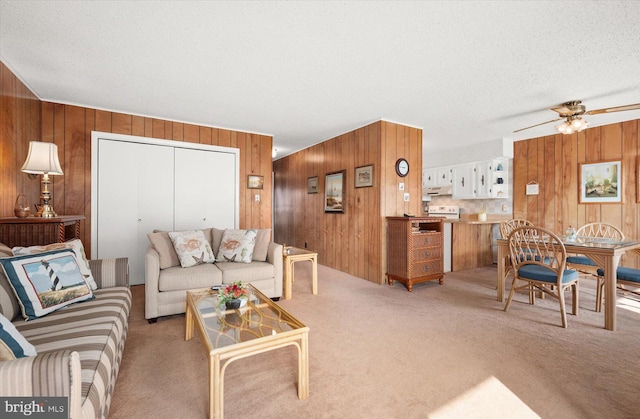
{"x": 312, "y": 184}
{"x": 364, "y": 176}
{"x": 601, "y": 182}
{"x": 334, "y": 187}
{"x": 255, "y": 182}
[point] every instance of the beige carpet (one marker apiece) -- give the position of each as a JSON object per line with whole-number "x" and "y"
{"x": 442, "y": 351}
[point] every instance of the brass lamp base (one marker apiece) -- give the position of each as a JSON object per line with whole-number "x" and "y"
{"x": 46, "y": 211}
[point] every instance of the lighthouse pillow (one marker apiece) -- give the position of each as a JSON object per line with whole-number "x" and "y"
{"x": 46, "y": 282}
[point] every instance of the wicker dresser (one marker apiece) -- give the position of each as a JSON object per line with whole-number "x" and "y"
{"x": 37, "y": 231}
{"x": 414, "y": 250}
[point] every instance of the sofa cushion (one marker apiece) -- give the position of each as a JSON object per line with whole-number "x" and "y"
{"x": 262, "y": 244}
{"x": 12, "y": 344}
{"x": 232, "y": 272}
{"x": 200, "y": 276}
{"x": 5, "y": 251}
{"x": 75, "y": 245}
{"x": 46, "y": 282}
{"x": 237, "y": 246}
{"x": 192, "y": 248}
{"x": 216, "y": 239}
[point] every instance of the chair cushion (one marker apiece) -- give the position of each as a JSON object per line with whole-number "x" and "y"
{"x": 541, "y": 273}
{"x": 625, "y": 274}
{"x": 580, "y": 260}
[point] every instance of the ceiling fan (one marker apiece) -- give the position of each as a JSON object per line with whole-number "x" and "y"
{"x": 572, "y": 113}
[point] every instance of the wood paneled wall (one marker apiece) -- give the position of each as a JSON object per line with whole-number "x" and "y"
{"x": 353, "y": 242}
{"x": 554, "y": 163}
{"x": 19, "y": 124}
{"x": 25, "y": 118}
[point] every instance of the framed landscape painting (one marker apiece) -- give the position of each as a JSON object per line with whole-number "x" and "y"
{"x": 334, "y": 187}
{"x": 601, "y": 182}
{"x": 364, "y": 176}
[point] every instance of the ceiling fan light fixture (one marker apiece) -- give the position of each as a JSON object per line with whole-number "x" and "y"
{"x": 571, "y": 125}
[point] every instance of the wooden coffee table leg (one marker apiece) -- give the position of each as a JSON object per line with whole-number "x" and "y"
{"x": 303, "y": 368}
{"x": 216, "y": 391}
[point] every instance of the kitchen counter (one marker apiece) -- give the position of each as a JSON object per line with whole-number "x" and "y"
{"x": 472, "y": 240}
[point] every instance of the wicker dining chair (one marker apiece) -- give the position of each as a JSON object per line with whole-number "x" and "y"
{"x": 506, "y": 227}
{"x": 538, "y": 258}
{"x": 583, "y": 264}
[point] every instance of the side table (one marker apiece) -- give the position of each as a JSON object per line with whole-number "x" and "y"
{"x": 292, "y": 255}
{"x": 39, "y": 231}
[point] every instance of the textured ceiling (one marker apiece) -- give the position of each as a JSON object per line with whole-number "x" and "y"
{"x": 304, "y": 72}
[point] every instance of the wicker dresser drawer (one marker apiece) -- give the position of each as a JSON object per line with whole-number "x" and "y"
{"x": 419, "y": 269}
{"x": 426, "y": 253}
{"x": 426, "y": 239}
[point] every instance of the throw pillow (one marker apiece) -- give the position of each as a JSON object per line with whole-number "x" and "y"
{"x": 161, "y": 241}
{"x": 75, "y": 245}
{"x": 12, "y": 344}
{"x": 192, "y": 247}
{"x": 237, "y": 246}
{"x": 46, "y": 282}
{"x": 262, "y": 245}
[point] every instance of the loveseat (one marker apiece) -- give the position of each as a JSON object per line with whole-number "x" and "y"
{"x": 78, "y": 347}
{"x": 166, "y": 281}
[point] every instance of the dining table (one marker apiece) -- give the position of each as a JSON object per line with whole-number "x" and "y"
{"x": 604, "y": 252}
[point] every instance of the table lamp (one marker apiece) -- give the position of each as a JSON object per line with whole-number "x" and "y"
{"x": 43, "y": 160}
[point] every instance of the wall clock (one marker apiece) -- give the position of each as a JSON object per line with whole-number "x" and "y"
{"x": 402, "y": 167}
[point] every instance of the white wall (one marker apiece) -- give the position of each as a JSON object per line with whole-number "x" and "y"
{"x": 502, "y": 147}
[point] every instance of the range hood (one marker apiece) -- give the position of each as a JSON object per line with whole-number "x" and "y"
{"x": 437, "y": 190}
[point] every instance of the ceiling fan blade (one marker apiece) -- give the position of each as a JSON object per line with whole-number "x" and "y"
{"x": 537, "y": 125}
{"x": 614, "y": 109}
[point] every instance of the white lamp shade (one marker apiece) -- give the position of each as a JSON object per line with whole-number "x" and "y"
{"x": 42, "y": 158}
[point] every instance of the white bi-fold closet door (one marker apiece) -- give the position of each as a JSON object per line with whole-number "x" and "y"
{"x": 140, "y": 185}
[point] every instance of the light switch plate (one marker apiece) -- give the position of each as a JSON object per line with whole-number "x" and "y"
{"x": 401, "y": 186}
{"x": 257, "y": 197}
{"x": 406, "y": 197}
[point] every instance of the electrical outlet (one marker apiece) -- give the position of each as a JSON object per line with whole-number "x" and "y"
{"x": 406, "y": 197}
{"x": 401, "y": 186}
{"x": 505, "y": 208}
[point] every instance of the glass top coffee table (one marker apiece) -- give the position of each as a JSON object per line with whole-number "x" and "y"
{"x": 232, "y": 334}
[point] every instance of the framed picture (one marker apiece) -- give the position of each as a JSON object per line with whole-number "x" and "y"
{"x": 364, "y": 176}
{"x": 255, "y": 182}
{"x": 312, "y": 184}
{"x": 334, "y": 187}
{"x": 600, "y": 182}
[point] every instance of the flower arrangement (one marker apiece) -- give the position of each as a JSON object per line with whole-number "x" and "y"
{"x": 233, "y": 291}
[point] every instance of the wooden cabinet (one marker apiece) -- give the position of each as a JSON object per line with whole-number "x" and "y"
{"x": 38, "y": 231}
{"x": 414, "y": 250}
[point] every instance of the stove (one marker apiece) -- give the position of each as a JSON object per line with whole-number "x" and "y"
{"x": 446, "y": 211}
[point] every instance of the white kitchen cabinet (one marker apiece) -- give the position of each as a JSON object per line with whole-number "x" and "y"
{"x": 481, "y": 180}
{"x": 429, "y": 178}
{"x": 141, "y": 184}
{"x": 444, "y": 175}
{"x": 464, "y": 181}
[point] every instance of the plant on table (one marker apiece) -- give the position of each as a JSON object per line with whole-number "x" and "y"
{"x": 233, "y": 291}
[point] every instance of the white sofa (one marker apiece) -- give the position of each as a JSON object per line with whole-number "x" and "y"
{"x": 166, "y": 282}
